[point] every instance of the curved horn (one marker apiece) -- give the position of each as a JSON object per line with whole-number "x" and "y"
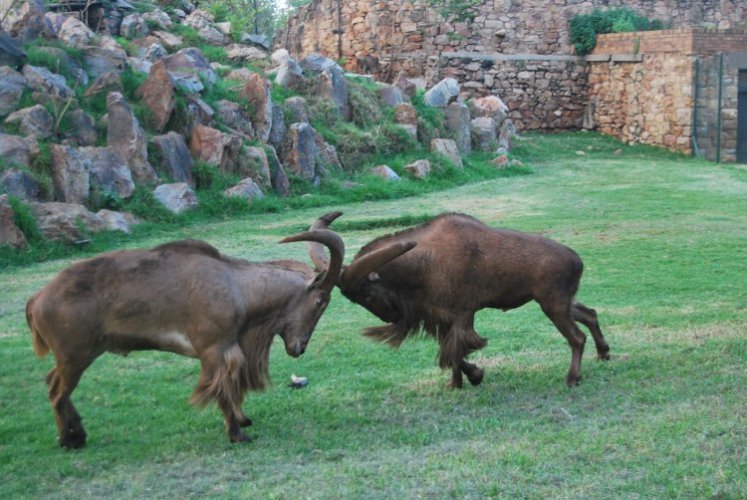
{"x": 316, "y": 251}
{"x": 362, "y": 266}
{"x": 331, "y": 240}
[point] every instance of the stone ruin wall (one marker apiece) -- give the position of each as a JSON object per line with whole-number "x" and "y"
{"x": 517, "y": 49}
{"x": 643, "y": 91}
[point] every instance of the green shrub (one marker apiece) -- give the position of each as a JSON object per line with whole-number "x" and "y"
{"x": 585, "y": 27}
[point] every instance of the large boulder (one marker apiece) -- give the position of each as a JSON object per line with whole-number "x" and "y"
{"x": 175, "y": 160}
{"x": 46, "y": 85}
{"x": 21, "y": 184}
{"x": 158, "y": 94}
{"x": 331, "y": 83}
{"x": 111, "y": 81}
{"x": 301, "y": 154}
{"x": 63, "y": 221}
{"x": 449, "y": 149}
{"x": 234, "y": 116}
{"x": 204, "y": 23}
{"x": 117, "y": 221}
{"x": 33, "y": 122}
{"x": 419, "y": 169}
{"x": 11, "y": 52}
{"x": 259, "y": 41}
{"x": 126, "y": 137}
{"x": 10, "y": 234}
{"x": 188, "y": 66}
{"x": 17, "y": 150}
{"x": 247, "y": 189}
{"x": 278, "y": 177}
{"x": 255, "y": 164}
{"x": 390, "y": 95}
{"x": 443, "y": 93}
{"x": 297, "y": 109}
{"x": 12, "y": 84}
{"x": 491, "y": 106}
{"x": 279, "y": 130}
{"x": 385, "y": 172}
{"x": 75, "y": 33}
{"x": 257, "y": 90}
{"x": 134, "y": 26}
{"x": 24, "y": 21}
{"x": 108, "y": 171}
{"x": 242, "y": 54}
{"x": 70, "y": 174}
{"x": 176, "y": 197}
{"x": 483, "y": 134}
{"x": 289, "y": 73}
{"x": 212, "y": 146}
{"x": 84, "y": 128}
{"x": 101, "y": 60}
{"x": 458, "y": 123}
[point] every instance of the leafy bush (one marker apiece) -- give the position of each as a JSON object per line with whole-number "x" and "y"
{"x": 586, "y": 27}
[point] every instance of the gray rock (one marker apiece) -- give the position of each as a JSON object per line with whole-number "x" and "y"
{"x": 316, "y": 63}
{"x": 10, "y": 234}
{"x": 385, "y": 172}
{"x": 260, "y": 41}
{"x": 134, "y": 26}
{"x": 443, "y": 93}
{"x": 21, "y": 184}
{"x": 419, "y": 169}
{"x": 70, "y": 174}
{"x": 33, "y": 122}
{"x": 279, "y": 129}
{"x": 256, "y": 165}
{"x": 447, "y": 148}
{"x": 176, "y": 197}
{"x": 11, "y": 52}
{"x": 117, "y": 221}
{"x": 232, "y": 115}
{"x": 238, "y": 53}
{"x": 108, "y": 171}
{"x": 111, "y": 81}
{"x": 483, "y": 134}
{"x": 289, "y": 74}
{"x": 47, "y": 84}
{"x": 507, "y": 134}
{"x": 12, "y": 84}
{"x": 246, "y": 189}
{"x": 17, "y": 150}
{"x": 278, "y": 177}
{"x": 75, "y": 33}
{"x": 491, "y": 106}
{"x": 297, "y": 109}
{"x": 390, "y": 95}
{"x": 126, "y": 137}
{"x": 187, "y": 66}
{"x": 84, "y": 128}
{"x": 62, "y": 221}
{"x": 458, "y": 123}
{"x": 176, "y": 162}
{"x": 301, "y": 155}
{"x": 101, "y": 60}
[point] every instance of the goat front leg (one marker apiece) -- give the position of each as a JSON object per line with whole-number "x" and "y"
{"x": 473, "y": 372}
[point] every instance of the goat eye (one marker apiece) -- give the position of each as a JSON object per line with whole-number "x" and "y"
{"x": 319, "y": 301}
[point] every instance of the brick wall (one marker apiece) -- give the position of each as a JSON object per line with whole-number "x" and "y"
{"x": 671, "y": 87}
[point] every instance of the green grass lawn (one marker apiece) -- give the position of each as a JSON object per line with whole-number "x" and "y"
{"x": 664, "y": 242}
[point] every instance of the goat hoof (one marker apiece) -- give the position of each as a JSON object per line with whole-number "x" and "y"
{"x": 240, "y": 437}
{"x": 573, "y": 381}
{"x": 454, "y": 385}
{"x": 604, "y": 355}
{"x": 245, "y": 421}
{"x": 73, "y": 439}
{"x": 475, "y": 376}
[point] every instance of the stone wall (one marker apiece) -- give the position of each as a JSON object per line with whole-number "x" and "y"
{"x": 519, "y": 50}
{"x": 659, "y": 87}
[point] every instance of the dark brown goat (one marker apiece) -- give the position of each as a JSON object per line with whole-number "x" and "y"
{"x": 458, "y": 266}
{"x": 183, "y": 297}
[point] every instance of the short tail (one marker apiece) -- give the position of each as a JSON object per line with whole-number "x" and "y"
{"x": 40, "y": 346}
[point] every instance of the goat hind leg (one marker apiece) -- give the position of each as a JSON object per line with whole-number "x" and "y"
{"x": 588, "y": 317}
{"x": 62, "y": 381}
{"x": 561, "y": 317}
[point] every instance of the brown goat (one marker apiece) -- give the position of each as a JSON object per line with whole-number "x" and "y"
{"x": 458, "y": 266}
{"x": 183, "y": 297}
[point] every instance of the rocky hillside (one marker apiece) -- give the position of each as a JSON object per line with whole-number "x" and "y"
{"x": 103, "y": 110}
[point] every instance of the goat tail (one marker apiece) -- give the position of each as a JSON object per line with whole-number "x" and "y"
{"x": 40, "y": 345}
{"x": 221, "y": 378}
{"x": 392, "y": 334}
{"x": 456, "y": 343}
